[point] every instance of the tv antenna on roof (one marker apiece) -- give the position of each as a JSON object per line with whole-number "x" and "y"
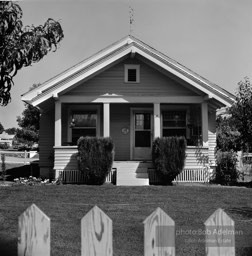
{"x": 131, "y": 18}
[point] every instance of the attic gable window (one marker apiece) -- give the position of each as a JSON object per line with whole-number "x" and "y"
{"x": 132, "y": 73}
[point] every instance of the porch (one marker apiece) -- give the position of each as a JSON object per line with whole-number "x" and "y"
{"x": 134, "y": 173}
{"x": 133, "y": 128}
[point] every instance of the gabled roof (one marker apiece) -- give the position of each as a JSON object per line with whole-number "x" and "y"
{"x": 65, "y": 80}
{"x": 6, "y": 136}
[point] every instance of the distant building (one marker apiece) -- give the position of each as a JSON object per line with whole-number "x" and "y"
{"x": 6, "y": 138}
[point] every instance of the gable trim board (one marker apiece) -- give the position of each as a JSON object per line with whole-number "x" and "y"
{"x": 116, "y": 52}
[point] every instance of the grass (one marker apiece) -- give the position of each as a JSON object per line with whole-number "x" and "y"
{"x": 11, "y": 165}
{"x": 16, "y": 170}
{"x": 189, "y": 206}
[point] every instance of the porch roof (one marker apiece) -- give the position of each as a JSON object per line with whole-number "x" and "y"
{"x": 104, "y": 58}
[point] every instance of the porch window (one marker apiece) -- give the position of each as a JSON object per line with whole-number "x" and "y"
{"x": 132, "y": 73}
{"x": 83, "y": 124}
{"x": 174, "y": 123}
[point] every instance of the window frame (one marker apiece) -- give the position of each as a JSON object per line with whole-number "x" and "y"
{"x": 171, "y": 109}
{"x": 83, "y": 109}
{"x": 126, "y": 69}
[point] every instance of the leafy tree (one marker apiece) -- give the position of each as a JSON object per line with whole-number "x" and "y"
{"x": 241, "y": 112}
{"x": 11, "y": 131}
{"x": 228, "y": 138}
{"x": 228, "y": 143}
{"x": 226, "y": 169}
{"x": 20, "y": 47}
{"x": 234, "y": 133}
{"x": 29, "y": 123}
{"x": 1, "y": 128}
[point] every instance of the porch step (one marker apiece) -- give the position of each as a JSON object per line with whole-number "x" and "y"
{"x": 132, "y": 173}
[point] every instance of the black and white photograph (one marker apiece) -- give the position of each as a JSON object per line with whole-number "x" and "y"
{"x": 126, "y": 128}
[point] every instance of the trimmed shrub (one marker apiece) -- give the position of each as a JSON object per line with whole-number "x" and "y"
{"x": 4, "y": 145}
{"x": 226, "y": 171}
{"x": 96, "y": 156}
{"x": 168, "y": 157}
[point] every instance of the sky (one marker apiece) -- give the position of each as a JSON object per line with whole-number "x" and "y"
{"x": 211, "y": 37}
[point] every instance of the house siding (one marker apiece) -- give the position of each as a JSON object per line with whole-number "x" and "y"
{"x": 66, "y": 158}
{"x": 196, "y": 156}
{"x": 152, "y": 83}
{"x": 46, "y": 140}
{"x": 212, "y": 137}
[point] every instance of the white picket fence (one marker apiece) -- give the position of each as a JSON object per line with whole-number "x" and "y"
{"x": 34, "y": 234}
{"x": 189, "y": 174}
{"x": 18, "y": 157}
{"x": 194, "y": 175}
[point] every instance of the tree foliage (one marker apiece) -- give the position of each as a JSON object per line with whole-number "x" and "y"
{"x": 241, "y": 112}
{"x": 234, "y": 133}
{"x": 28, "y": 133}
{"x": 96, "y": 156}
{"x": 228, "y": 138}
{"x": 1, "y": 128}
{"x": 21, "y": 46}
{"x": 168, "y": 157}
{"x": 228, "y": 143}
{"x": 226, "y": 170}
{"x": 11, "y": 131}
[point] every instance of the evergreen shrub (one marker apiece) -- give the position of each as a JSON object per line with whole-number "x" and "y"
{"x": 96, "y": 156}
{"x": 4, "y": 145}
{"x": 226, "y": 169}
{"x": 168, "y": 157}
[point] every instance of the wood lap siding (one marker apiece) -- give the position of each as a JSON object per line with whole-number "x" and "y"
{"x": 212, "y": 137}
{"x": 195, "y": 156}
{"x": 46, "y": 139}
{"x": 152, "y": 83}
{"x": 66, "y": 158}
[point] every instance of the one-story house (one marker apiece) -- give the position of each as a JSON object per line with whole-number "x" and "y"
{"x": 6, "y": 138}
{"x": 134, "y": 94}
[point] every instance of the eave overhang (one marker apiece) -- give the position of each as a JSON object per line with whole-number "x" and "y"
{"x": 127, "y": 46}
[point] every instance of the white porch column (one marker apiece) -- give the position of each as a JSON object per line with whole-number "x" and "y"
{"x": 157, "y": 128}
{"x": 204, "y": 118}
{"x": 106, "y": 120}
{"x": 58, "y": 125}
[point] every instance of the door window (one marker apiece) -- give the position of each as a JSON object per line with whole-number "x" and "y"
{"x": 142, "y": 130}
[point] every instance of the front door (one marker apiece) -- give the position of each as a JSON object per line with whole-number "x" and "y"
{"x": 141, "y": 134}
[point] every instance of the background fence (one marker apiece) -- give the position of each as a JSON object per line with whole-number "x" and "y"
{"x": 18, "y": 157}
{"x": 34, "y": 234}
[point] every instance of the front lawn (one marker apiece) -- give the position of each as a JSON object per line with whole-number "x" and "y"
{"x": 189, "y": 206}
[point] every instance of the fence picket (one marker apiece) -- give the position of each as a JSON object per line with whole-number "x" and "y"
{"x": 159, "y": 234}
{"x": 220, "y": 234}
{"x": 33, "y": 233}
{"x": 96, "y": 234}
